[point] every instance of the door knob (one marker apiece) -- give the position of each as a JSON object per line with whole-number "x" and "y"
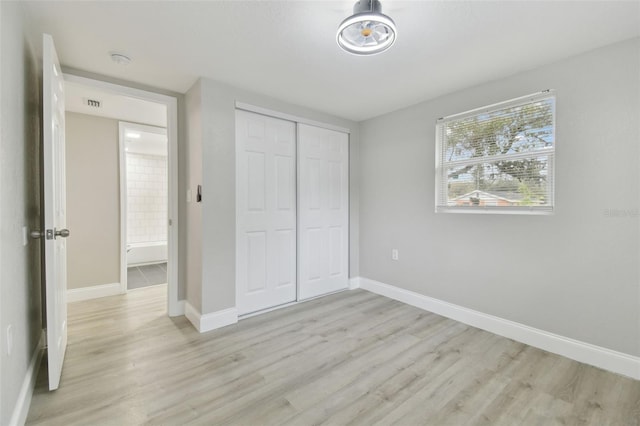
{"x": 64, "y": 233}
{"x": 50, "y": 234}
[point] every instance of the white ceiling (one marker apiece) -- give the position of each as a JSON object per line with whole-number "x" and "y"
{"x": 113, "y": 106}
{"x": 287, "y": 49}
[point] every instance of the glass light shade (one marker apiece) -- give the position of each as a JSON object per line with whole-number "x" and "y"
{"x": 366, "y": 33}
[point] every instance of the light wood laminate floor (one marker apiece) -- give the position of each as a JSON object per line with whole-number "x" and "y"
{"x": 348, "y": 358}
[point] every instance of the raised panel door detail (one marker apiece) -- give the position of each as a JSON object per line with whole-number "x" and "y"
{"x": 323, "y": 211}
{"x": 313, "y": 189}
{"x": 284, "y": 182}
{"x": 255, "y": 181}
{"x": 256, "y": 261}
{"x": 314, "y": 253}
{"x": 286, "y": 142}
{"x": 286, "y": 256}
{"x": 266, "y": 236}
{"x": 256, "y": 128}
{"x": 335, "y": 185}
{"x": 334, "y": 145}
{"x": 335, "y": 250}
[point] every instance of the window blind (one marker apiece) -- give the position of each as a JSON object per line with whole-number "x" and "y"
{"x": 498, "y": 158}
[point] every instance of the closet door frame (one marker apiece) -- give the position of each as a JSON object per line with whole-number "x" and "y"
{"x": 241, "y": 106}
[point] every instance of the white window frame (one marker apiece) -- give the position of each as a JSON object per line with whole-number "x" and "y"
{"x": 441, "y": 166}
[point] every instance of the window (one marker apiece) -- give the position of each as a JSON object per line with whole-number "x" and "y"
{"x": 498, "y": 158}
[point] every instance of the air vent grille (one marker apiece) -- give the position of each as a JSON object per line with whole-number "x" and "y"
{"x": 93, "y": 103}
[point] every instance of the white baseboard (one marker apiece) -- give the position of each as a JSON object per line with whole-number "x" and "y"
{"x": 354, "y": 283}
{"x": 587, "y": 353}
{"x": 93, "y": 292}
{"x": 192, "y": 314}
{"x": 211, "y": 321}
{"x": 21, "y": 409}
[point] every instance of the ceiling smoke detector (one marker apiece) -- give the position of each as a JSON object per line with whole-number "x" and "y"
{"x": 120, "y": 58}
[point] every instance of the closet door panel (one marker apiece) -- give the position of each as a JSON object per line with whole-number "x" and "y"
{"x": 323, "y": 211}
{"x": 265, "y": 212}
{"x": 286, "y": 258}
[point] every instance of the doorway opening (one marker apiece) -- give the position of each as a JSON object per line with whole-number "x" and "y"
{"x": 143, "y": 205}
{"x": 150, "y": 119}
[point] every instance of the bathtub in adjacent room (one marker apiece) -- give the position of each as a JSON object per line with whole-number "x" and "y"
{"x": 146, "y": 253}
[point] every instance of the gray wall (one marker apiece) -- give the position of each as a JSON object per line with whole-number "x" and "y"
{"x": 217, "y": 119}
{"x": 93, "y": 200}
{"x": 193, "y": 148}
{"x": 20, "y": 299}
{"x": 574, "y": 273}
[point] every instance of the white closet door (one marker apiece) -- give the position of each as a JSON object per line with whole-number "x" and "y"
{"x": 323, "y": 211}
{"x": 266, "y": 212}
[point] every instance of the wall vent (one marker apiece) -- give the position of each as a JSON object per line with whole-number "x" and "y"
{"x": 93, "y": 103}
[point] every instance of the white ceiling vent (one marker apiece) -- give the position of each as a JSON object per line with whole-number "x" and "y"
{"x": 93, "y": 103}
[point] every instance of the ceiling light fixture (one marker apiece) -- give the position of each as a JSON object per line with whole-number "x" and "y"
{"x": 367, "y": 31}
{"x": 120, "y": 58}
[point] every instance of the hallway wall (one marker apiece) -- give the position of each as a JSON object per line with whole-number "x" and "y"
{"x": 93, "y": 200}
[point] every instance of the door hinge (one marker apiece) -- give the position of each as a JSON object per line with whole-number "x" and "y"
{"x": 170, "y": 222}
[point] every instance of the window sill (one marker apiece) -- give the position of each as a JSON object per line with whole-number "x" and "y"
{"x": 545, "y": 211}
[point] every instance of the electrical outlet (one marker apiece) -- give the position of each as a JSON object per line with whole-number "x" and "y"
{"x": 9, "y": 339}
{"x": 394, "y": 254}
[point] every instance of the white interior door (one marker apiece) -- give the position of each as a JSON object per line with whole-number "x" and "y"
{"x": 54, "y": 234}
{"x": 265, "y": 212}
{"x": 323, "y": 211}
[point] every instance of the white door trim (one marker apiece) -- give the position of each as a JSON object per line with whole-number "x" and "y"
{"x": 175, "y": 308}
{"x": 122, "y": 126}
{"x": 289, "y": 117}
